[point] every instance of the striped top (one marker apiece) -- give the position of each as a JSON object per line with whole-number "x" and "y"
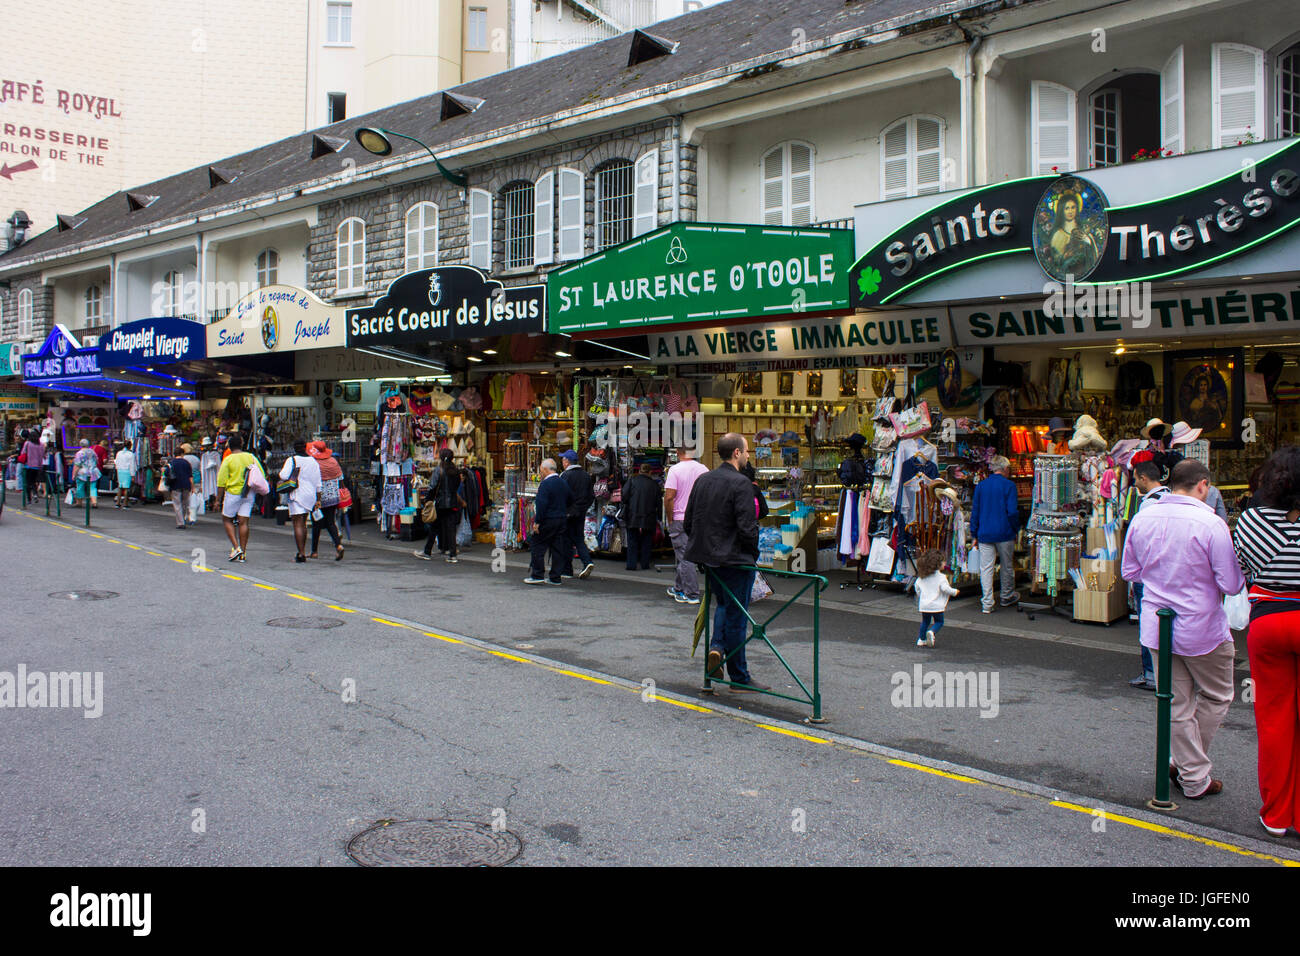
{"x": 1268, "y": 547}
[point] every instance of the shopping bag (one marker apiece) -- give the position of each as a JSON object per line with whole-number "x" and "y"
{"x": 1237, "y": 607}
{"x": 881, "y": 558}
{"x": 464, "y": 533}
{"x": 761, "y": 588}
{"x": 71, "y": 498}
{"x": 255, "y": 478}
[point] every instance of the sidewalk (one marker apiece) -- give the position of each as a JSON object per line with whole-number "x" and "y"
{"x": 1063, "y": 715}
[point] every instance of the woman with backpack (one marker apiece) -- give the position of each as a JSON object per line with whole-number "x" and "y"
{"x": 331, "y": 482}
{"x": 445, "y": 493}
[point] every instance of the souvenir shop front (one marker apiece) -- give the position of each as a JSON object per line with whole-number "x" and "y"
{"x": 1147, "y": 310}
{"x": 441, "y": 341}
{"x": 18, "y": 402}
{"x": 695, "y": 291}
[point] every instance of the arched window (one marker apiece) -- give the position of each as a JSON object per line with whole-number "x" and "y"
{"x": 172, "y": 285}
{"x": 421, "y": 237}
{"x": 268, "y": 267}
{"x": 350, "y": 270}
{"x": 25, "y": 325}
{"x": 788, "y": 185}
{"x": 614, "y": 192}
{"x": 911, "y": 157}
{"x": 517, "y": 199}
{"x": 94, "y": 306}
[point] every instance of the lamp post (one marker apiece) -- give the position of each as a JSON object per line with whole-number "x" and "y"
{"x": 375, "y": 140}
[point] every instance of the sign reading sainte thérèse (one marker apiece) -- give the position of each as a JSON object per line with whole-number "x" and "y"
{"x": 693, "y": 272}
{"x": 450, "y": 302}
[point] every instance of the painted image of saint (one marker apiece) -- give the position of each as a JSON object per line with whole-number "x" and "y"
{"x": 1070, "y": 229}
{"x": 1203, "y": 399}
{"x": 270, "y": 329}
{"x": 950, "y": 380}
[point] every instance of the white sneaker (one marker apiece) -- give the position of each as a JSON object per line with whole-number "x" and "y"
{"x": 586, "y": 571}
{"x": 929, "y": 638}
{"x": 1276, "y": 831}
{"x": 920, "y": 642}
{"x": 421, "y": 555}
{"x": 986, "y": 610}
{"x": 534, "y": 580}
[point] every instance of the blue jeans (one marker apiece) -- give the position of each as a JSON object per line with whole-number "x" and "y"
{"x": 930, "y": 621}
{"x": 730, "y": 624}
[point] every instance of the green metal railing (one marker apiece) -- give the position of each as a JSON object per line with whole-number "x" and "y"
{"x": 1164, "y": 705}
{"x": 759, "y": 629}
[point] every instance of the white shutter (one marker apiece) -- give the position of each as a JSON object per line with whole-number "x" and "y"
{"x": 1171, "y": 103}
{"x": 929, "y": 156}
{"x": 774, "y": 187}
{"x": 571, "y": 203}
{"x": 1052, "y": 118}
{"x": 801, "y": 184}
{"x": 645, "y": 215}
{"x": 1238, "y": 84}
{"x": 894, "y": 162}
{"x": 544, "y": 220}
{"x": 414, "y": 235}
{"x": 480, "y": 229}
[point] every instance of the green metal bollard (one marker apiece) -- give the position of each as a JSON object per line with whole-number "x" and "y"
{"x": 1164, "y": 704}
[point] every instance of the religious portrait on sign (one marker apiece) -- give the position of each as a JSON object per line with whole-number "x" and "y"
{"x": 814, "y": 384}
{"x": 1206, "y": 390}
{"x": 1070, "y": 229}
{"x": 270, "y": 329}
{"x": 949, "y": 379}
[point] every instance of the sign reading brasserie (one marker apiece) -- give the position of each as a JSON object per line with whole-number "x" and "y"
{"x": 276, "y": 318}
{"x": 162, "y": 340}
{"x": 1067, "y": 223}
{"x": 61, "y": 359}
{"x": 450, "y": 302}
{"x": 814, "y": 339}
{"x": 693, "y": 272}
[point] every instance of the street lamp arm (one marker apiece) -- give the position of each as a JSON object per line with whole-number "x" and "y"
{"x": 456, "y": 179}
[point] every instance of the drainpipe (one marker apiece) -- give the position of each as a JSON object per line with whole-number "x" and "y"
{"x": 677, "y": 172}
{"x": 974, "y": 42}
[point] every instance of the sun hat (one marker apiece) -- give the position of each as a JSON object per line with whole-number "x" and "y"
{"x": 319, "y": 450}
{"x": 1057, "y": 425}
{"x": 1156, "y": 426}
{"x": 186, "y": 447}
{"x": 1183, "y": 433}
{"x": 207, "y": 441}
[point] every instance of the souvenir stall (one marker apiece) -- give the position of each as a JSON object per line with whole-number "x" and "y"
{"x": 395, "y": 427}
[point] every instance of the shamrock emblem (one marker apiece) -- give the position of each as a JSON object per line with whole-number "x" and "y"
{"x": 869, "y": 280}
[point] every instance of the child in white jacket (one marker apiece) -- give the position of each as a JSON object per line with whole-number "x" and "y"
{"x": 932, "y": 593}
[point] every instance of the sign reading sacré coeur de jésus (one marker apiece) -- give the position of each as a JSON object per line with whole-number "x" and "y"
{"x": 692, "y": 272}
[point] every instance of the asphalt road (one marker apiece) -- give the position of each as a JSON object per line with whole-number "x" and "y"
{"x": 541, "y": 718}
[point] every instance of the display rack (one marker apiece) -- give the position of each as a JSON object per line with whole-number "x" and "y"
{"x": 1053, "y": 536}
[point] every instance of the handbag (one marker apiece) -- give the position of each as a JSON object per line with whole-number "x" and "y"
{"x": 910, "y": 422}
{"x": 22, "y": 458}
{"x": 289, "y": 485}
{"x": 880, "y": 560}
{"x": 255, "y": 479}
{"x": 429, "y": 512}
{"x": 345, "y": 498}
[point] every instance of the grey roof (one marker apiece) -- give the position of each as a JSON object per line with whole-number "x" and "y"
{"x": 715, "y": 40}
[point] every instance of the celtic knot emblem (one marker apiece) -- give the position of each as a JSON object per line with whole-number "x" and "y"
{"x": 676, "y": 252}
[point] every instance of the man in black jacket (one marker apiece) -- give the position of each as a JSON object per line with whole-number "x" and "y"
{"x": 575, "y": 537}
{"x": 722, "y": 527}
{"x": 550, "y": 508}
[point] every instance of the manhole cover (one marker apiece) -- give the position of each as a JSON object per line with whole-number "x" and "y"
{"x": 434, "y": 843}
{"x": 306, "y": 623}
{"x": 83, "y": 595}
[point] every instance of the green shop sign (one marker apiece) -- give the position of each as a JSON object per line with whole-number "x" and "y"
{"x": 697, "y": 272}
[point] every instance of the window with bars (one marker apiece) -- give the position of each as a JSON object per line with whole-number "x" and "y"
{"x": 268, "y": 267}
{"x": 1107, "y": 150}
{"x": 350, "y": 258}
{"x": 788, "y": 185}
{"x": 172, "y": 284}
{"x": 1288, "y": 93}
{"x": 94, "y": 306}
{"x": 517, "y": 198}
{"x": 25, "y": 323}
{"x": 614, "y": 202}
{"x": 338, "y": 20}
{"x": 421, "y": 236}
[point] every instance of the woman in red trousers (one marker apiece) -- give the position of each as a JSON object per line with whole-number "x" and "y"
{"x": 1267, "y": 539}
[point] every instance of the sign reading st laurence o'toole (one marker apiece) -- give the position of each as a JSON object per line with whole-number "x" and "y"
{"x": 450, "y": 302}
{"x": 1067, "y": 224}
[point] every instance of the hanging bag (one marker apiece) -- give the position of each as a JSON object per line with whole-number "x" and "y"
{"x": 287, "y": 486}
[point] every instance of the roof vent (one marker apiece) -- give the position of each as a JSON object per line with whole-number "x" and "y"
{"x": 647, "y": 46}
{"x": 324, "y": 145}
{"x": 458, "y": 104}
{"x": 69, "y": 222}
{"x": 136, "y": 201}
{"x": 220, "y": 174}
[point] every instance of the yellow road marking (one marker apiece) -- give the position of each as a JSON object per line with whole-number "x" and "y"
{"x": 937, "y": 773}
{"x": 794, "y": 733}
{"x": 180, "y": 561}
{"x": 93, "y": 535}
{"x": 345, "y": 610}
{"x": 510, "y": 657}
{"x": 594, "y": 680}
{"x": 300, "y": 597}
{"x": 135, "y": 547}
{"x": 112, "y": 540}
{"x": 682, "y": 703}
{"x": 156, "y": 554}
{"x": 233, "y": 577}
{"x": 380, "y": 620}
{"x": 84, "y": 531}
{"x": 264, "y": 587}
{"x": 1170, "y": 831}
{"x": 441, "y": 637}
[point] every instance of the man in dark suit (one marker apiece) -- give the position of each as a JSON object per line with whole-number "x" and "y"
{"x": 550, "y": 508}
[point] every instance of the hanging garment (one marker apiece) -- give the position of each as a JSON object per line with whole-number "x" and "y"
{"x": 519, "y": 393}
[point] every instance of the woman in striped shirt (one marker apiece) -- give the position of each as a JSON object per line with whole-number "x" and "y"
{"x": 1267, "y": 540}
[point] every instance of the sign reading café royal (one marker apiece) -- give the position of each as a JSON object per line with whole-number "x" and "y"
{"x": 450, "y": 302}
{"x": 1209, "y": 208}
{"x": 163, "y": 340}
{"x": 277, "y": 318}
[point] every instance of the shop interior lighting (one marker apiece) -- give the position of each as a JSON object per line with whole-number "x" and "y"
{"x": 473, "y": 358}
{"x": 559, "y": 354}
{"x": 489, "y": 351}
{"x": 1120, "y": 350}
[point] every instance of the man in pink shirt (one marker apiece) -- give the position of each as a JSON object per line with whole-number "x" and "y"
{"x": 1182, "y": 553}
{"x": 677, "y": 493}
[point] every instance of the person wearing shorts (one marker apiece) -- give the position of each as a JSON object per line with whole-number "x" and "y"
{"x": 235, "y": 497}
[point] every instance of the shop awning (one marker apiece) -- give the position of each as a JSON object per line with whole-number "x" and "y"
{"x": 63, "y": 364}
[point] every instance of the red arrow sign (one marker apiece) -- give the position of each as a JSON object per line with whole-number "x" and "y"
{"x": 7, "y": 171}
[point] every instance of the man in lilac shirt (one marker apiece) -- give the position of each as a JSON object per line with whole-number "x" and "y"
{"x": 1182, "y": 553}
